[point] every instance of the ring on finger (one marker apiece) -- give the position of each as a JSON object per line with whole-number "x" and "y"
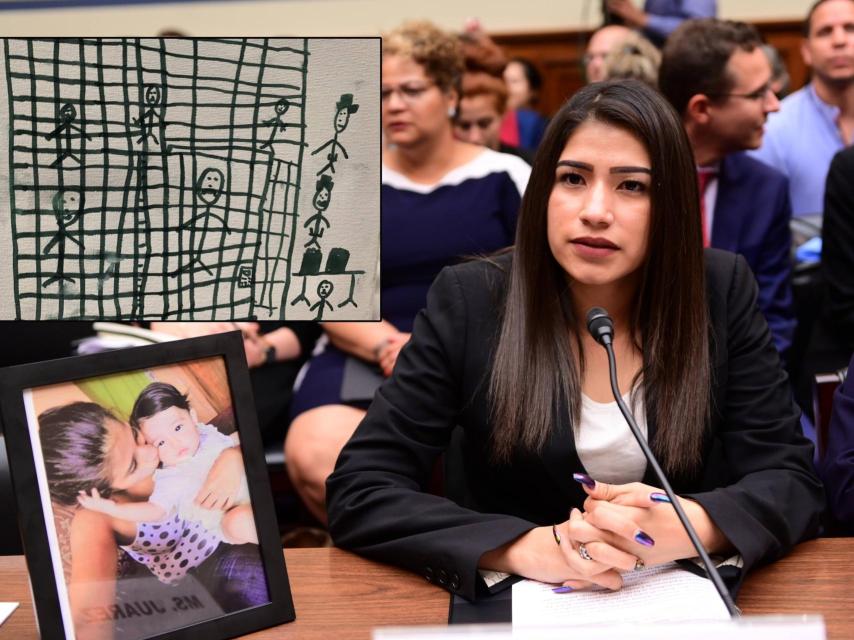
{"x": 583, "y": 552}
{"x": 639, "y": 564}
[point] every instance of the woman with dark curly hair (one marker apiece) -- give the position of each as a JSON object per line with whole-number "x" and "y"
{"x": 442, "y": 200}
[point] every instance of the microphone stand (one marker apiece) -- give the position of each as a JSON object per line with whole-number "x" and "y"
{"x": 605, "y": 340}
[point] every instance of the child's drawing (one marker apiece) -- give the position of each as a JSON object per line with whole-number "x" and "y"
{"x": 163, "y": 179}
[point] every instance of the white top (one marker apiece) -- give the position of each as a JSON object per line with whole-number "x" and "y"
{"x": 485, "y": 163}
{"x": 605, "y": 444}
{"x": 178, "y": 485}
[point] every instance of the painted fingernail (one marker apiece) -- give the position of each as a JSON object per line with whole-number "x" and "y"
{"x": 644, "y": 539}
{"x": 584, "y": 479}
{"x": 659, "y": 497}
{"x": 562, "y": 590}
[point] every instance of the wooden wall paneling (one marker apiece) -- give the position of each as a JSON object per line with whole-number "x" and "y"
{"x": 786, "y": 38}
{"x": 558, "y": 57}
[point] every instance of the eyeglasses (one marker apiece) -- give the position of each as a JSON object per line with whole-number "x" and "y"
{"x": 409, "y": 93}
{"x": 759, "y": 95}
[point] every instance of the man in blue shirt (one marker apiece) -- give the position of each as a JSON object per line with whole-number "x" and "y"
{"x": 659, "y": 18}
{"x": 817, "y": 121}
{"x": 717, "y": 77}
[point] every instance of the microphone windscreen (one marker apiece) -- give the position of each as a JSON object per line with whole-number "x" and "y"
{"x": 599, "y": 324}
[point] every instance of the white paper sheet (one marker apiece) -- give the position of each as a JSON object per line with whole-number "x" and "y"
{"x": 664, "y": 593}
{"x": 6, "y": 610}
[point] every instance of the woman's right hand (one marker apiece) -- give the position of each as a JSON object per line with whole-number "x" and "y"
{"x": 95, "y": 502}
{"x": 538, "y": 555}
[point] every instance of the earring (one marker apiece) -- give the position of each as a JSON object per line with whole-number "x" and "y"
{"x": 452, "y": 112}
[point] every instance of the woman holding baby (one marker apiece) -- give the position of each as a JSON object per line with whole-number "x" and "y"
{"x": 88, "y": 451}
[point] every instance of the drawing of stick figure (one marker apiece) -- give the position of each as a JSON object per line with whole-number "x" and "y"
{"x": 276, "y": 123}
{"x": 67, "y": 114}
{"x": 208, "y": 189}
{"x": 322, "y": 198}
{"x": 67, "y": 205}
{"x": 147, "y": 121}
{"x": 350, "y": 299}
{"x": 324, "y": 290}
{"x": 343, "y": 109}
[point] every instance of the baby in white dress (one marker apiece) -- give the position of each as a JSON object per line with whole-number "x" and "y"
{"x": 187, "y": 451}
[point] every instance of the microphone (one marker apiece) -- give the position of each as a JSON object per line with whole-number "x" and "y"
{"x": 601, "y": 327}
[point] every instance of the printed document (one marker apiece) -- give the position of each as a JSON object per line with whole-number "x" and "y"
{"x": 656, "y": 594}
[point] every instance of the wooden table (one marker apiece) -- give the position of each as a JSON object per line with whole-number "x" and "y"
{"x": 339, "y": 595}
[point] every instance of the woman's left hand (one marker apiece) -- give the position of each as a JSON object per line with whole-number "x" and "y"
{"x": 387, "y": 354}
{"x": 223, "y": 481}
{"x": 642, "y": 522}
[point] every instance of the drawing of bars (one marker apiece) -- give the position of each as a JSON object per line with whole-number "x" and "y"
{"x": 136, "y": 163}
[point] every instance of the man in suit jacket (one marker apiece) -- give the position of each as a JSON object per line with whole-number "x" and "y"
{"x": 832, "y": 337}
{"x": 718, "y": 78}
{"x": 837, "y": 466}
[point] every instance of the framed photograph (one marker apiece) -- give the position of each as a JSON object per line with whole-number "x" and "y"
{"x": 143, "y": 496}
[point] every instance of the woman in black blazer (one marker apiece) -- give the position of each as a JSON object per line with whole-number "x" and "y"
{"x": 610, "y": 218}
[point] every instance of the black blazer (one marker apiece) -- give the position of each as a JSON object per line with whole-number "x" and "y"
{"x": 757, "y": 483}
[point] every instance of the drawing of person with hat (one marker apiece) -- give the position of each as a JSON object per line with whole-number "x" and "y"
{"x": 344, "y": 108}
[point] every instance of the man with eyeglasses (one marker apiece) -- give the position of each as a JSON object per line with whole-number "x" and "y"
{"x": 817, "y": 121}
{"x": 717, "y": 77}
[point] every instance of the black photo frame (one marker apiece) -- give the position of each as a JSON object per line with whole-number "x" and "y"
{"x": 156, "y": 609}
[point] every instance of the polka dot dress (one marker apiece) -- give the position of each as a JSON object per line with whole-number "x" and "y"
{"x": 172, "y": 547}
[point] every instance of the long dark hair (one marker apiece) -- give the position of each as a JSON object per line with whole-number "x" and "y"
{"x": 534, "y": 372}
{"x": 73, "y": 439}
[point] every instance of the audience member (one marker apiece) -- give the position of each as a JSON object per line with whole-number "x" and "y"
{"x": 522, "y": 126}
{"x": 817, "y": 121}
{"x": 717, "y": 77}
{"x": 480, "y": 52}
{"x": 659, "y": 18}
{"x": 482, "y": 105}
{"x": 610, "y": 218}
{"x": 442, "y": 199}
{"x": 636, "y": 57}
{"x": 601, "y": 43}
{"x": 837, "y": 465}
{"x": 832, "y": 338}
{"x": 780, "y": 79}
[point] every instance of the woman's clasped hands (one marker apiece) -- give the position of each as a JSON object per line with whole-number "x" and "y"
{"x": 621, "y": 528}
